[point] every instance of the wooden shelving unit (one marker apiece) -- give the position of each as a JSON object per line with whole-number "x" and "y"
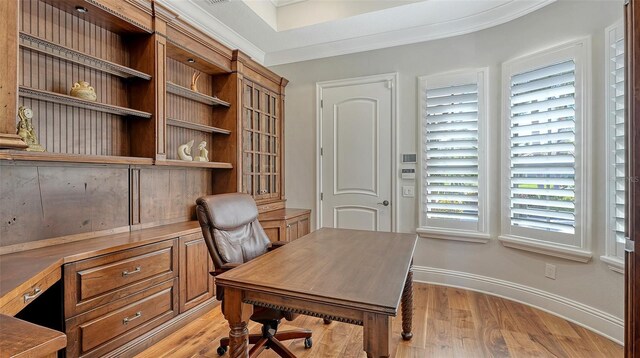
{"x": 195, "y": 126}
{"x": 193, "y": 95}
{"x": 183, "y": 163}
{"x": 40, "y": 45}
{"x": 71, "y": 158}
{"x": 28, "y": 92}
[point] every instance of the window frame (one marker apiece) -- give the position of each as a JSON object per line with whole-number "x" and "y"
{"x": 576, "y": 246}
{"x": 613, "y": 249}
{"x": 450, "y": 229}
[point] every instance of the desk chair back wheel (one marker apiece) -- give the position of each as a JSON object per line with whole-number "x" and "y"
{"x": 222, "y": 350}
{"x": 308, "y": 343}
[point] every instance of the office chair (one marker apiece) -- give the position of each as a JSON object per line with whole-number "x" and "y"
{"x": 234, "y": 236}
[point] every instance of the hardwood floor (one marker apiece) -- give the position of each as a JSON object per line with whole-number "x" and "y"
{"x": 447, "y": 322}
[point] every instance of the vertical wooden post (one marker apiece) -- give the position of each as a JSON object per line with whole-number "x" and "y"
{"x": 237, "y": 314}
{"x": 9, "y": 79}
{"x": 632, "y": 93}
{"x": 377, "y": 335}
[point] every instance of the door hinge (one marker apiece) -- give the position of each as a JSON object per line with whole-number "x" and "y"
{"x": 389, "y": 84}
{"x": 321, "y": 196}
{"x": 629, "y": 245}
{"x": 321, "y": 151}
{"x": 322, "y": 103}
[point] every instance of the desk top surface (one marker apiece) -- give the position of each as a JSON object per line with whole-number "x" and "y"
{"x": 361, "y": 269}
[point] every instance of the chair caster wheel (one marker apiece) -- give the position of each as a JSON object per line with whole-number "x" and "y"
{"x": 308, "y": 343}
{"x": 222, "y": 350}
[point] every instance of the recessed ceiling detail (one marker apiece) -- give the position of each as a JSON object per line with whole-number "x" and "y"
{"x": 284, "y": 31}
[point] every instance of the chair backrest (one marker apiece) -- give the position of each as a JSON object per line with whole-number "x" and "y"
{"x": 230, "y": 227}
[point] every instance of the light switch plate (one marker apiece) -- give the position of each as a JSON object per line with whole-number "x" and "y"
{"x": 408, "y": 191}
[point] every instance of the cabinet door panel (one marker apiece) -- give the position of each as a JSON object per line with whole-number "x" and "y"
{"x": 196, "y": 284}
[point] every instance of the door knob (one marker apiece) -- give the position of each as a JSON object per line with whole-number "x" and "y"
{"x": 385, "y": 203}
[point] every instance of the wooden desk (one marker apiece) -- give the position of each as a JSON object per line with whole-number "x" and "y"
{"x": 351, "y": 276}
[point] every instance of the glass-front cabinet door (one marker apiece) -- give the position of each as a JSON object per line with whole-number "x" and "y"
{"x": 260, "y": 142}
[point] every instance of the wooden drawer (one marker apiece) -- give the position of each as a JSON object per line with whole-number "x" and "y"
{"x": 93, "y": 282}
{"x": 27, "y": 296}
{"x": 99, "y": 331}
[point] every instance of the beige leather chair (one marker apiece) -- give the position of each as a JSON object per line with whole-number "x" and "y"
{"x": 234, "y": 236}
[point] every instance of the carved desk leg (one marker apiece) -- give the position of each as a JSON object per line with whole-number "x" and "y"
{"x": 237, "y": 314}
{"x": 407, "y": 307}
{"x": 377, "y": 335}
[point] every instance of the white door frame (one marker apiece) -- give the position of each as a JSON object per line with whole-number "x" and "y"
{"x": 386, "y": 77}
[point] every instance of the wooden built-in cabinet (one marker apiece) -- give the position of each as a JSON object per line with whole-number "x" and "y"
{"x": 286, "y": 224}
{"x": 111, "y": 166}
{"x": 196, "y": 282}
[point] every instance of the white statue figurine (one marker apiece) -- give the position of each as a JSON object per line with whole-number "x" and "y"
{"x": 204, "y": 153}
{"x": 184, "y": 151}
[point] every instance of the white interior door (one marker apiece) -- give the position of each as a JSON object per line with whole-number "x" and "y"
{"x": 356, "y": 154}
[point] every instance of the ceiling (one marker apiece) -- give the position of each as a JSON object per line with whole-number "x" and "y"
{"x": 283, "y": 31}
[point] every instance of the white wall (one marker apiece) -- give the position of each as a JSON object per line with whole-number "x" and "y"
{"x": 589, "y": 293}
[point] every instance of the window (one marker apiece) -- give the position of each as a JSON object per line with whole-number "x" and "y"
{"x": 453, "y": 168}
{"x": 615, "y": 134}
{"x": 545, "y": 152}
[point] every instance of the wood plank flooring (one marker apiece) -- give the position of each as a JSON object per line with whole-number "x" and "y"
{"x": 447, "y": 322}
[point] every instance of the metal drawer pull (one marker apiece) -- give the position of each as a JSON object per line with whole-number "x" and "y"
{"x": 127, "y": 273}
{"x": 29, "y": 296}
{"x": 129, "y": 319}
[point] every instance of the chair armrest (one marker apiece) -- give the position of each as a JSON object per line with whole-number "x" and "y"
{"x": 275, "y": 245}
{"x": 224, "y": 268}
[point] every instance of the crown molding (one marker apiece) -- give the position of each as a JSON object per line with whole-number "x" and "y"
{"x": 485, "y": 20}
{"x": 200, "y": 18}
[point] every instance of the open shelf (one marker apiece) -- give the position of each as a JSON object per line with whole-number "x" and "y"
{"x": 27, "y": 41}
{"x": 28, "y": 92}
{"x": 72, "y": 158}
{"x": 199, "y": 127}
{"x": 196, "y": 96}
{"x": 183, "y": 163}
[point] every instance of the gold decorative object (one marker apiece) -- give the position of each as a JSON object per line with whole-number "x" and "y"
{"x": 194, "y": 81}
{"x": 204, "y": 153}
{"x": 26, "y": 131}
{"x": 83, "y": 90}
{"x": 184, "y": 151}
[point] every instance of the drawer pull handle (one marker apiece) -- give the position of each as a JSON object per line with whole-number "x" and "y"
{"x": 129, "y": 319}
{"x": 29, "y": 296}
{"x": 127, "y": 273}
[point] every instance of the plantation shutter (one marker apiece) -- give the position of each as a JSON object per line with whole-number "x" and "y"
{"x": 451, "y": 153}
{"x": 617, "y": 140}
{"x": 542, "y": 157}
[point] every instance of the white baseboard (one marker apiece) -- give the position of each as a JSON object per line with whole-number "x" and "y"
{"x": 588, "y": 317}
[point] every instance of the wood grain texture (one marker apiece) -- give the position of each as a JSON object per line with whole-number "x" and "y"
{"x": 44, "y": 201}
{"x": 300, "y": 269}
{"x": 632, "y": 160}
{"x": 21, "y": 339}
{"x": 21, "y": 270}
{"x": 444, "y": 328}
{"x": 9, "y": 79}
{"x": 196, "y": 284}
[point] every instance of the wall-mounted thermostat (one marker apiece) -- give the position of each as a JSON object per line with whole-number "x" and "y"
{"x": 408, "y": 173}
{"x": 408, "y": 159}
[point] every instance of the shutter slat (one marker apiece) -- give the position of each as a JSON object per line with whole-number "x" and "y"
{"x": 542, "y": 105}
{"x": 543, "y": 72}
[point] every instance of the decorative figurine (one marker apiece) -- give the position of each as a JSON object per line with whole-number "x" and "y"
{"x": 184, "y": 151}
{"x": 83, "y": 90}
{"x": 204, "y": 153}
{"x": 194, "y": 81}
{"x": 26, "y": 131}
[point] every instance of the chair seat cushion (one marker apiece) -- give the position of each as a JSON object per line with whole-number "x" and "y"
{"x": 262, "y": 315}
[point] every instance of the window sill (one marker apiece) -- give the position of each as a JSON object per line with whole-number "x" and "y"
{"x": 454, "y": 235}
{"x": 544, "y": 248}
{"x": 615, "y": 263}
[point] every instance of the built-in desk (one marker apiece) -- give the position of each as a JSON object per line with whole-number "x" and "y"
{"x": 106, "y": 277}
{"x": 23, "y": 339}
